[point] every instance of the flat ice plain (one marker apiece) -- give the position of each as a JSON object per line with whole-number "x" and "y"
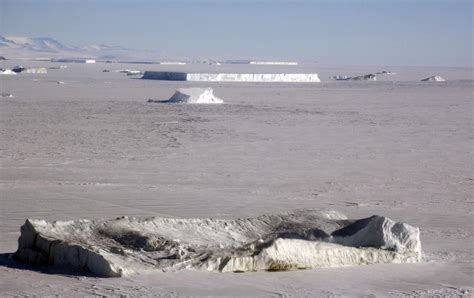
{"x": 94, "y": 148}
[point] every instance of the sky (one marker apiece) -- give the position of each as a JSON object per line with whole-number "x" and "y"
{"x": 389, "y": 32}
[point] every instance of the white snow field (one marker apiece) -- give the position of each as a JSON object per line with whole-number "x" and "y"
{"x": 233, "y": 77}
{"x": 94, "y": 149}
{"x": 192, "y": 96}
{"x": 301, "y": 239}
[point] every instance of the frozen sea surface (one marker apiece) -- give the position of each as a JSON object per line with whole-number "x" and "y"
{"x": 94, "y": 148}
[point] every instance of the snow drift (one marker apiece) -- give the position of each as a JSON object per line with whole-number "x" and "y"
{"x": 232, "y": 77}
{"x": 295, "y": 240}
{"x": 434, "y": 79}
{"x": 192, "y": 96}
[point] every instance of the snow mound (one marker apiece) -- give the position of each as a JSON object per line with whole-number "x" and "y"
{"x": 293, "y": 240}
{"x": 232, "y": 77}
{"x": 434, "y": 79}
{"x": 192, "y": 96}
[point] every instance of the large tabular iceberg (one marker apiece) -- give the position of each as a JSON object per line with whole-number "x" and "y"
{"x": 295, "y": 240}
{"x": 192, "y": 96}
{"x": 232, "y": 77}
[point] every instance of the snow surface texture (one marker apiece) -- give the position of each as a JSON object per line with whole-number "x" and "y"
{"x": 192, "y": 96}
{"x": 232, "y": 77}
{"x": 294, "y": 240}
{"x": 434, "y": 79}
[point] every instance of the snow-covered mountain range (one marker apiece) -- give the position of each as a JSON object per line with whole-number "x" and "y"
{"x": 47, "y": 47}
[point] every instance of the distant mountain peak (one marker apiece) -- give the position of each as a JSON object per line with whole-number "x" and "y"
{"x": 49, "y": 45}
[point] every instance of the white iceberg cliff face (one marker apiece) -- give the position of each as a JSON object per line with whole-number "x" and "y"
{"x": 434, "y": 79}
{"x": 293, "y": 240}
{"x": 192, "y": 96}
{"x": 233, "y": 77}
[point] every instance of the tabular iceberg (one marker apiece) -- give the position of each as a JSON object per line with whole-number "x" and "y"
{"x": 232, "y": 77}
{"x": 300, "y": 239}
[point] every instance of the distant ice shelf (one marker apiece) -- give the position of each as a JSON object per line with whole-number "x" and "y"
{"x": 172, "y": 63}
{"x": 74, "y": 60}
{"x": 260, "y": 62}
{"x": 233, "y": 77}
{"x": 273, "y": 63}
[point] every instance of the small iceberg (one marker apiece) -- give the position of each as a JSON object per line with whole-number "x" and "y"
{"x": 192, "y": 96}
{"x": 434, "y": 79}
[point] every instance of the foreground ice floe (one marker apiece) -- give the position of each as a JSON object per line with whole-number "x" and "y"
{"x": 192, "y": 96}
{"x": 294, "y": 240}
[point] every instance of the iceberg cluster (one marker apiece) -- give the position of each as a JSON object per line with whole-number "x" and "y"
{"x": 300, "y": 239}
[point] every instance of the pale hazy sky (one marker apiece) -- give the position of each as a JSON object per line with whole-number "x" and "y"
{"x": 403, "y": 32}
